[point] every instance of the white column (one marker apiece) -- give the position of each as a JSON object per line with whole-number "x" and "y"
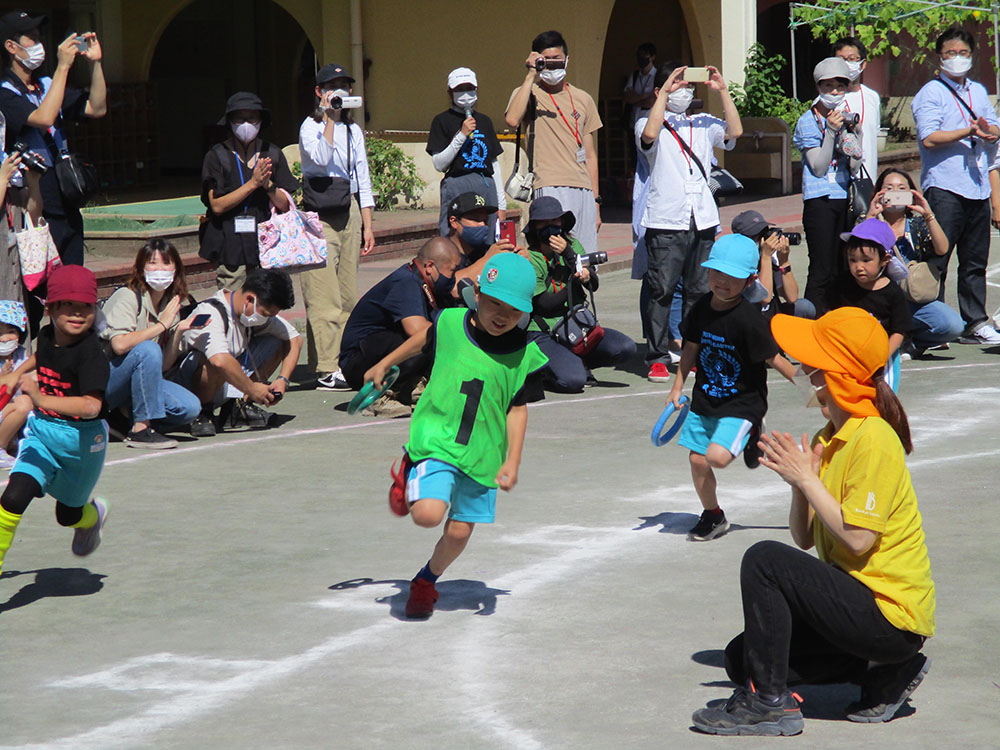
{"x": 739, "y": 31}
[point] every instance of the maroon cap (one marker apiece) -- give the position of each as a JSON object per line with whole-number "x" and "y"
{"x": 74, "y": 283}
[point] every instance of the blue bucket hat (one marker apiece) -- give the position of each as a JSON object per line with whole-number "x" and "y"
{"x": 509, "y": 278}
{"x": 12, "y": 313}
{"x": 735, "y": 255}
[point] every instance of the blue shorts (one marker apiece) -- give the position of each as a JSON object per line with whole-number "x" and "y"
{"x": 732, "y": 433}
{"x": 63, "y": 456}
{"x": 468, "y": 500}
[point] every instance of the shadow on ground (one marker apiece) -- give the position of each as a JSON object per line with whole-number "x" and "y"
{"x": 52, "y": 582}
{"x": 454, "y": 595}
{"x": 681, "y": 523}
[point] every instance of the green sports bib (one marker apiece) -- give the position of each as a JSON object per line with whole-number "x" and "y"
{"x": 461, "y": 418}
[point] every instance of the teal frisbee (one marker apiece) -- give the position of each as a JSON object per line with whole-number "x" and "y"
{"x": 369, "y": 393}
{"x": 658, "y": 436}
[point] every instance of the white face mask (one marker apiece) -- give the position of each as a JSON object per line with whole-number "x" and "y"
{"x": 855, "y": 68}
{"x": 246, "y": 131}
{"x": 159, "y": 280}
{"x": 7, "y": 347}
{"x": 810, "y": 392}
{"x": 957, "y": 66}
{"x": 831, "y": 101}
{"x": 554, "y": 76}
{"x": 678, "y": 101}
{"x": 253, "y": 320}
{"x": 465, "y": 99}
{"x": 36, "y": 56}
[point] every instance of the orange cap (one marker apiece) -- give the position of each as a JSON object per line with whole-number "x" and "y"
{"x": 848, "y": 344}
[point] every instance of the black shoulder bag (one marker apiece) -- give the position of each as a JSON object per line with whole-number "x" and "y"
{"x": 327, "y": 194}
{"x": 721, "y": 182}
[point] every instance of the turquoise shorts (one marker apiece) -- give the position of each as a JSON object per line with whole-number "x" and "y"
{"x": 63, "y": 456}
{"x": 468, "y": 500}
{"x": 732, "y": 433}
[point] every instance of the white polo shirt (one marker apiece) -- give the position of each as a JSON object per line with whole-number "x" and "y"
{"x": 677, "y": 188}
{"x": 868, "y": 104}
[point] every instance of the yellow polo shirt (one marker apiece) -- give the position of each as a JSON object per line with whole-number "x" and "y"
{"x": 864, "y": 467}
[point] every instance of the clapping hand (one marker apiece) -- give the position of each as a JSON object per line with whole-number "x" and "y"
{"x": 793, "y": 463}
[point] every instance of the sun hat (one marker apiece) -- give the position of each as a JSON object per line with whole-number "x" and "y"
{"x": 13, "y": 314}
{"x": 509, "y": 278}
{"x": 873, "y": 230}
{"x": 735, "y": 255}
{"x": 848, "y": 344}
{"x": 246, "y": 100}
{"x": 74, "y": 283}
{"x": 548, "y": 207}
{"x": 831, "y": 67}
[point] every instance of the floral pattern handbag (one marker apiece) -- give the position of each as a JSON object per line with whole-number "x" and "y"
{"x": 292, "y": 240}
{"x": 37, "y": 252}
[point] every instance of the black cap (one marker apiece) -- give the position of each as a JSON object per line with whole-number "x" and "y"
{"x": 749, "y": 224}
{"x": 467, "y": 202}
{"x": 548, "y": 207}
{"x": 246, "y": 100}
{"x": 16, "y": 22}
{"x": 332, "y": 71}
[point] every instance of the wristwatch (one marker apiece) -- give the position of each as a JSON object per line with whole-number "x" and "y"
{"x": 598, "y": 200}
{"x": 282, "y": 377}
{"x": 785, "y": 269}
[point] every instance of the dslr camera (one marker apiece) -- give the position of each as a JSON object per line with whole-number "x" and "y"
{"x": 29, "y": 158}
{"x": 794, "y": 238}
{"x": 851, "y": 119}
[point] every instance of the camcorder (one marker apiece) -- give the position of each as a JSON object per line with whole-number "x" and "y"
{"x": 345, "y": 102}
{"x": 794, "y": 238}
{"x": 29, "y": 158}
{"x": 586, "y": 260}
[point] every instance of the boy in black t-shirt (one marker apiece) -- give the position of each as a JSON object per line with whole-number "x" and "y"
{"x": 731, "y": 342}
{"x": 63, "y": 453}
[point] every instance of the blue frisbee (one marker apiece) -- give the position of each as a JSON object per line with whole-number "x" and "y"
{"x": 658, "y": 436}
{"x": 369, "y": 393}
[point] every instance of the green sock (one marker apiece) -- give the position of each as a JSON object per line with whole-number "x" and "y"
{"x": 89, "y": 517}
{"x": 8, "y": 525}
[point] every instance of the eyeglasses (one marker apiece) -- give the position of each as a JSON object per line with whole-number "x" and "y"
{"x": 953, "y": 53}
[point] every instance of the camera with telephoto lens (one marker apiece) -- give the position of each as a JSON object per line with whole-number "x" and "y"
{"x": 794, "y": 238}
{"x": 29, "y": 158}
{"x": 594, "y": 259}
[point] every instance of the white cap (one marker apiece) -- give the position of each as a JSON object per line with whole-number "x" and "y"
{"x": 461, "y": 75}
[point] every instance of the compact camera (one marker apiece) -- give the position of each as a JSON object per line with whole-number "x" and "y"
{"x": 851, "y": 119}
{"x": 29, "y": 158}
{"x": 794, "y": 238}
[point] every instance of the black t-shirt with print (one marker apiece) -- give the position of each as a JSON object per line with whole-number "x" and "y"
{"x": 888, "y": 304}
{"x": 74, "y": 370}
{"x": 478, "y": 152}
{"x": 734, "y": 345}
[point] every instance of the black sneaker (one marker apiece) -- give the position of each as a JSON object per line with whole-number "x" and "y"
{"x": 203, "y": 426}
{"x": 709, "y": 526}
{"x": 238, "y": 413}
{"x": 752, "y": 452}
{"x": 886, "y": 688}
{"x": 149, "y": 439}
{"x": 746, "y": 714}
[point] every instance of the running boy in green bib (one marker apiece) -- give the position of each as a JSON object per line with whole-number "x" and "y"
{"x": 468, "y": 427}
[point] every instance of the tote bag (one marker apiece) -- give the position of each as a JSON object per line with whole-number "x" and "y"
{"x": 37, "y": 252}
{"x": 292, "y": 240}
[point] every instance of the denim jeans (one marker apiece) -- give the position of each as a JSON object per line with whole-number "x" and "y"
{"x": 934, "y": 323}
{"x": 966, "y": 223}
{"x": 137, "y": 381}
{"x": 566, "y": 372}
{"x": 808, "y": 622}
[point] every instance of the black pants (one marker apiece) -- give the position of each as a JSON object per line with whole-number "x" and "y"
{"x": 566, "y": 372}
{"x": 823, "y": 220}
{"x": 966, "y": 224}
{"x": 673, "y": 253}
{"x": 355, "y": 363}
{"x": 808, "y": 622}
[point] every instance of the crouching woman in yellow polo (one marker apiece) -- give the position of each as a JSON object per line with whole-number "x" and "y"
{"x": 861, "y": 611}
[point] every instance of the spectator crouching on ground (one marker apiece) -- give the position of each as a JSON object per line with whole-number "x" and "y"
{"x": 141, "y": 342}
{"x": 233, "y": 355}
{"x": 550, "y": 246}
{"x": 240, "y": 178}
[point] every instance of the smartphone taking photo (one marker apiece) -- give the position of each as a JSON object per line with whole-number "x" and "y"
{"x": 696, "y": 75}
{"x": 508, "y": 231}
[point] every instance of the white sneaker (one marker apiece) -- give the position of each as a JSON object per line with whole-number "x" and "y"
{"x": 6, "y": 460}
{"x": 333, "y": 381}
{"x": 985, "y": 334}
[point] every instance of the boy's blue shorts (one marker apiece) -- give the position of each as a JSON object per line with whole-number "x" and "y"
{"x": 469, "y": 500}
{"x": 732, "y": 433}
{"x": 63, "y": 456}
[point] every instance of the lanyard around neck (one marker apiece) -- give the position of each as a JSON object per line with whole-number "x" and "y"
{"x": 575, "y": 128}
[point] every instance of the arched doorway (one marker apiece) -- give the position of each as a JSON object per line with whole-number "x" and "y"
{"x": 212, "y": 49}
{"x": 632, "y": 22}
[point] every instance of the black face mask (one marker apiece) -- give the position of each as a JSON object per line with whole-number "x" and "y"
{"x": 546, "y": 233}
{"x": 443, "y": 285}
{"x": 642, "y": 60}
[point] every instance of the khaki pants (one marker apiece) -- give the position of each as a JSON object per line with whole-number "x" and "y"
{"x": 231, "y": 278}
{"x": 330, "y": 293}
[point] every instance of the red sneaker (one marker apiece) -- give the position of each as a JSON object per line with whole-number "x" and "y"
{"x": 658, "y": 373}
{"x": 397, "y": 492}
{"x": 423, "y": 595}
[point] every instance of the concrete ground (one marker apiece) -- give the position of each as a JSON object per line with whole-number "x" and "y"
{"x": 250, "y": 587}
